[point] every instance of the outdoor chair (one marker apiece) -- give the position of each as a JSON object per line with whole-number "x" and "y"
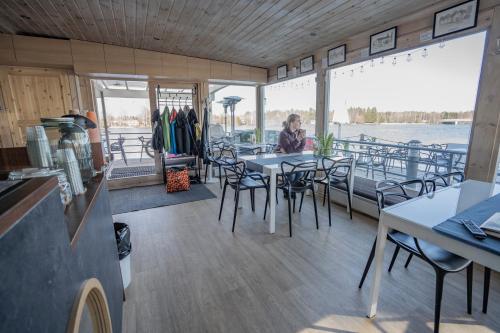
{"x": 239, "y": 180}
{"x": 119, "y": 146}
{"x": 298, "y": 178}
{"x": 145, "y": 145}
{"x": 443, "y": 262}
{"x": 335, "y": 173}
{"x": 398, "y": 154}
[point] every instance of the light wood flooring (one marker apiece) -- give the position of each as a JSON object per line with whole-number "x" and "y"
{"x": 191, "y": 274}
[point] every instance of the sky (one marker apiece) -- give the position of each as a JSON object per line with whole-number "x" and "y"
{"x": 248, "y": 102}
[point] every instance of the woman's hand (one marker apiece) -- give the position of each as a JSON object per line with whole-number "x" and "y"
{"x": 301, "y": 134}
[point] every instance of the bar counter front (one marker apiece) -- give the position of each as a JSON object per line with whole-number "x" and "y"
{"x": 47, "y": 253}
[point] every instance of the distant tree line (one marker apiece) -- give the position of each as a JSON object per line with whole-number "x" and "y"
{"x": 359, "y": 115}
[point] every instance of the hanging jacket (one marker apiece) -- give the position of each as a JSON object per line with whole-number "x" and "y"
{"x": 173, "y": 123}
{"x": 192, "y": 119}
{"x": 165, "y": 122}
{"x": 203, "y": 153}
{"x": 182, "y": 137}
{"x": 157, "y": 140}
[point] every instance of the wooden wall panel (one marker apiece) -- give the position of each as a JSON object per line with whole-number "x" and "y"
{"x": 258, "y": 75}
{"x": 198, "y": 68}
{"x": 220, "y": 70}
{"x": 7, "y": 55}
{"x": 147, "y": 62}
{"x": 88, "y": 57}
{"x": 174, "y": 66}
{"x": 240, "y": 72}
{"x": 46, "y": 51}
{"x": 119, "y": 60}
{"x": 31, "y": 93}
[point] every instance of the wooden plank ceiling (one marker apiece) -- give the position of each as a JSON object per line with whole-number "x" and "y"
{"x": 251, "y": 32}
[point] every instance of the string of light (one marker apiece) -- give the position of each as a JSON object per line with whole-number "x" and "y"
{"x": 394, "y": 60}
{"x": 361, "y": 68}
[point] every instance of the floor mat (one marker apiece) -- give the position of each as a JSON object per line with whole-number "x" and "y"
{"x": 118, "y": 173}
{"x": 145, "y": 197}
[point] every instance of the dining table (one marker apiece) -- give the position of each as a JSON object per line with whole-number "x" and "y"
{"x": 436, "y": 218}
{"x": 270, "y": 165}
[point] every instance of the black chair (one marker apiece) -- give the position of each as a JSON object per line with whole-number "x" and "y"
{"x": 390, "y": 192}
{"x": 219, "y": 154}
{"x": 442, "y": 261}
{"x": 239, "y": 180}
{"x": 298, "y": 178}
{"x": 336, "y": 173}
{"x": 435, "y": 181}
{"x": 378, "y": 158}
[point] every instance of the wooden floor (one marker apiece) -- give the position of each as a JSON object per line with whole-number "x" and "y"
{"x": 191, "y": 274}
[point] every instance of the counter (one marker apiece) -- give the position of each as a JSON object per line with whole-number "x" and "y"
{"x": 46, "y": 253}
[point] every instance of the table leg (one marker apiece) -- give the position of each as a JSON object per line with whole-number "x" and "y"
{"x": 272, "y": 201}
{"x": 379, "y": 261}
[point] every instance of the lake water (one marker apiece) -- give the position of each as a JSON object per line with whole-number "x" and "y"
{"x": 426, "y": 133}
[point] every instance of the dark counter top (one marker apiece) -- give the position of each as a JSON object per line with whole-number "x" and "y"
{"x": 26, "y": 195}
{"x": 77, "y": 212}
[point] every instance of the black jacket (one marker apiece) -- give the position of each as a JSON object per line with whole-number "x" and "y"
{"x": 182, "y": 137}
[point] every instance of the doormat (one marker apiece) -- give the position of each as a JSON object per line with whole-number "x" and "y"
{"x": 126, "y": 172}
{"x": 145, "y": 197}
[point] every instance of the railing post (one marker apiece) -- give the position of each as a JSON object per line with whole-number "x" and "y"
{"x": 413, "y": 157}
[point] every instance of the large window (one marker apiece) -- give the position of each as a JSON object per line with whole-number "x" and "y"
{"x": 245, "y": 110}
{"x": 410, "y": 95}
{"x": 291, "y": 96}
{"x": 426, "y": 95}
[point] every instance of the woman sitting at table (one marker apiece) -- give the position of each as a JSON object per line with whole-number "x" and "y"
{"x": 292, "y": 138}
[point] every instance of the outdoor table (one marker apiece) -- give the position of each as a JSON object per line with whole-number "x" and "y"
{"x": 422, "y": 217}
{"x": 270, "y": 165}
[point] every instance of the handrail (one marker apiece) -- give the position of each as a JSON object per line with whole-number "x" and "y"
{"x": 368, "y": 143}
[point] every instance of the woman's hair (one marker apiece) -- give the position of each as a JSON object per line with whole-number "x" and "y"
{"x": 290, "y": 119}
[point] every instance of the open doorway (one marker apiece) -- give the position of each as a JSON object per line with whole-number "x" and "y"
{"x": 125, "y": 121}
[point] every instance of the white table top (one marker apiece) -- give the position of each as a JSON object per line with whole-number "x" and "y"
{"x": 434, "y": 208}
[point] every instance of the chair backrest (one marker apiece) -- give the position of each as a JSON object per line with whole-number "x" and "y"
{"x": 234, "y": 171}
{"x": 377, "y": 155}
{"x": 433, "y": 181}
{"x": 337, "y": 168}
{"x": 390, "y": 192}
{"x": 299, "y": 175}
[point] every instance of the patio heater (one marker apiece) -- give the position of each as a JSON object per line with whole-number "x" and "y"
{"x": 230, "y": 102}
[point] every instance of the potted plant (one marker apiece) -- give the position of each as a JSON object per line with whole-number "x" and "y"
{"x": 324, "y": 145}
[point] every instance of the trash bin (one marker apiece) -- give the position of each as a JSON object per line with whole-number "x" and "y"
{"x": 122, "y": 235}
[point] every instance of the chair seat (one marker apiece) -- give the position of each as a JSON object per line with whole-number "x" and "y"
{"x": 256, "y": 173}
{"x": 444, "y": 259}
{"x": 248, "y": 183}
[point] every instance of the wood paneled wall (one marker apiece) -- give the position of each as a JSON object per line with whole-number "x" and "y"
{"x": 32, "y": 93}
{"x": 88, "y": 58}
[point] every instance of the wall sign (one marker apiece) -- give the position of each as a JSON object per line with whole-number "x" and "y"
{"x": 457, "y": 18}
{"x": 336, "y": 55}
{"x": 383, "y": 41}
{"x": 307, "y": 64}
{"x": 282, "y": 72}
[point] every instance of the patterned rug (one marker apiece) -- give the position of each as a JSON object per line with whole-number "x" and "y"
{"x": 126, "y": 172}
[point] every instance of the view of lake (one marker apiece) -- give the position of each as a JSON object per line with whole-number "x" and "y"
{"x": 426, "y": 133}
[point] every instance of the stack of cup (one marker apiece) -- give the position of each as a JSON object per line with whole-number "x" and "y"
{"x": 66, "y": 158}
{"x": 38, "y": 147}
